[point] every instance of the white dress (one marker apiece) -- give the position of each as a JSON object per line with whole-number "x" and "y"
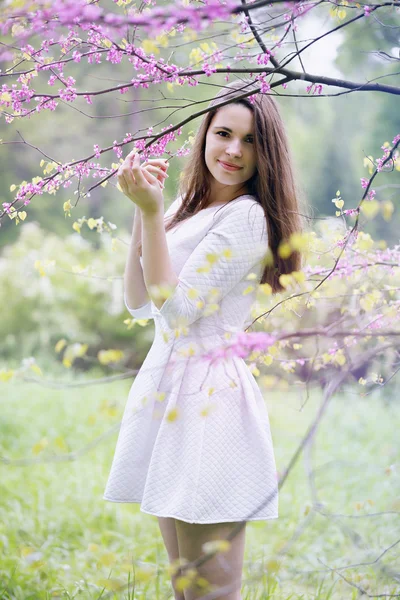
{"x": 195, "y": 441}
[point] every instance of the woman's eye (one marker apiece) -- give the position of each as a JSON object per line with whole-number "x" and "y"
{"x": 226, "y": 133}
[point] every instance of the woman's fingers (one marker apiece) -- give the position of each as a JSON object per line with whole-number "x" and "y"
{"x": 158, "y": 170}
{"x": 159, "y": 175}
{"x": 160, "y": 162}
{"x": 155, "y": 167}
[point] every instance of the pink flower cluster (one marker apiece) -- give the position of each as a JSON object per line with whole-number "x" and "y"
{"x": 242, "y": 346}
{"x": 45, "y": 18}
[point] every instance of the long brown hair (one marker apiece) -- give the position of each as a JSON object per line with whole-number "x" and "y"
{"x": 272, "y": 185}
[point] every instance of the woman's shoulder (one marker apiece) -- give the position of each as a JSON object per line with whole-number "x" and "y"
{"x": 241, "y": 206}
{"x": 242, "y": 214}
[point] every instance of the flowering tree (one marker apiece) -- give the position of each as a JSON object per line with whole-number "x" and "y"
{"x": 344, "y": 305}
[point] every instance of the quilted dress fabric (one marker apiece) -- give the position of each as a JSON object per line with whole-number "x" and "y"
{"x": 195, "y": 441}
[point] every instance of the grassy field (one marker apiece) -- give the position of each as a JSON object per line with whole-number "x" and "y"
{"x": 60, "y": 539}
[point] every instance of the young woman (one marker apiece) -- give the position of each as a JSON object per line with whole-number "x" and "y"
{"x": 195, "y": 447}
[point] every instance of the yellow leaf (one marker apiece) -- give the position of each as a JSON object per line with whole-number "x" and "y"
{"x": 212, "y": 257}
{"x": 22, "y": 215}
{"x": 339, "y": 203}
{"x": 340, "y": 359}
{"x": 6, "y": 375}
{"x": 192, "y": 293}
{"x": 93, "y": 547}
{"x": 106, "y": 357}
{"x": 107, "y": 559}
{"x": 370, "y": 208}
{"x": 36, "y": 369}
{"x": 206, "y": 410}
{"x": 162, "y": 40}
{"x": 298, "y": 241}
{"x": 273, "y": 565}
{"x": 266, "y": 289}
{"x": 77, "y": 227}
{"x": 67, "y": 207}
{"x": 285, "y": 279}
{"x": 248, "y": 290}
{"x": 182, "y": 583}
{"x": 205, "y": 269}
{"x": 387, "y": 209}
{"x": 284, "y": 250}
{"x": 205, "y": 47}
{"x": 190, "y": 35}
{"x": 60, "y": 443}
{"x": 5, "y": 97}
{"x": 299, "y": 276}
{"x": 111, "y": 584}
{"x": 91, "y": 420}
{"x": 17, "y": 29}
{"x": 50, "y": 167}
{"x": 13, "y": 187}
{"x": 160, "y": 396}
{"x": 216, "y": 546}
{"x": 26, "y": 551}
{"x": 195, "y": 56}
{"x": 364, "y": 241}
{"x": 172, "y": 415}
{"x": 227, "y": 253}
{"x": 150, "y": 47}
{"x": 40, "y": 446}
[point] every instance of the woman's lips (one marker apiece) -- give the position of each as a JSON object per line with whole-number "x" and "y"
{"x": 228, "y": 167}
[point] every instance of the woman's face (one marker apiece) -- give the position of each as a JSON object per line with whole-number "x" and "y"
{"x": 230, "y": 139}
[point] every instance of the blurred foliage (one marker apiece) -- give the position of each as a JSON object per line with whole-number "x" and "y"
{"x": 62, "y": 290}
{"x": 67, "y": 304}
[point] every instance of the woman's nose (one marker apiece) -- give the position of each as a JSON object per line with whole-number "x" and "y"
{"x": 234, "y": 148}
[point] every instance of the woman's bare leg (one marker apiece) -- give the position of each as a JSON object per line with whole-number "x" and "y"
{"x": 224, "y": 569}
{"x": 168, "y": 532}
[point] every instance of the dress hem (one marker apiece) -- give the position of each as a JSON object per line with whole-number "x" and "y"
{"x": 230, "y": 520}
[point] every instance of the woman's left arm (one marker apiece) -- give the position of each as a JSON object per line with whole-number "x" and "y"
{"x": 156, "y": 262}
{"x": 146, "y": 192}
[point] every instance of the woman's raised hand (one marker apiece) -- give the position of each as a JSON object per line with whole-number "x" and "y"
{"x": 159, "y": 167}
{"x": 143, "y": 184}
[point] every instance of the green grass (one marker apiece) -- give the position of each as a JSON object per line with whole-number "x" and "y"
{"x": 60, "y": 539}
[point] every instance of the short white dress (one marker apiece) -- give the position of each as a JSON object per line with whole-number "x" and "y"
{"x": 195, "y": 441}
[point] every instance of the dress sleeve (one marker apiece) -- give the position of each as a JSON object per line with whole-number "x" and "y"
{"x": 232, "y": 248}
{"x": 145, "y": 311}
